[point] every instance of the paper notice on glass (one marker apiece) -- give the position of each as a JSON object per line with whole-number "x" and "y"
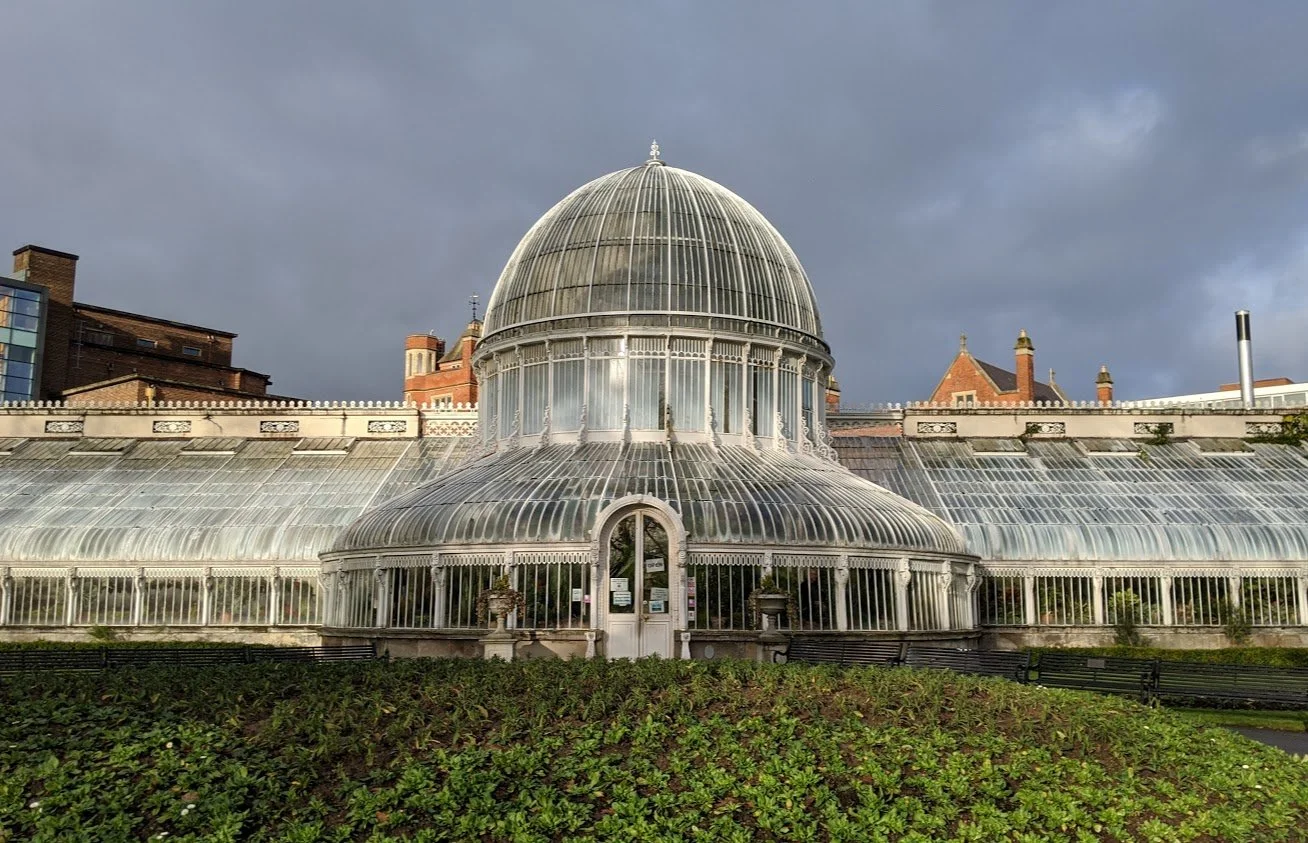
{"x": 576, "y": 595}
{"x": 656, "y": 607}
{"x": 690, "y": 587}
{"x": 655, "y": 564}
{"x": 619, "y": 584}
{"x": 659, "y": 594}
{"x": 622, "y": 598}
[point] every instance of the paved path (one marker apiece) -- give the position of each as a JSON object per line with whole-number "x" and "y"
{"x": 1292, "y": 742}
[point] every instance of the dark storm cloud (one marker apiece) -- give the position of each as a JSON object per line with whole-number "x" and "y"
{"x": 326, "y": 178}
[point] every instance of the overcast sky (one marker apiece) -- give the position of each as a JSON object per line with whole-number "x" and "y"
{"x": 325, "y": 178}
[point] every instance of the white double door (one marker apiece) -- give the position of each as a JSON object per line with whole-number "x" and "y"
{"x": 637, "y": 590}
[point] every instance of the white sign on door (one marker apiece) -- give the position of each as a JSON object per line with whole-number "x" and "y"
{"x": 659, "y": 594}
{"x": 655, "y": 564}
{"x": 619, "y": 584}
{"x": 622, "y": 598}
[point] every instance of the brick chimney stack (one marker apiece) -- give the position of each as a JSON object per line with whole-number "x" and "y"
{"x": 1025, "y": 353}
{"x": 57, "y": 272}
{"x": 1104, "y": 386}
{"x": 833, "y": 395}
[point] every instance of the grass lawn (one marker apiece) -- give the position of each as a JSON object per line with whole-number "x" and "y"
{"x": 1284, "y": 721}
{"x": 554, "y": 750}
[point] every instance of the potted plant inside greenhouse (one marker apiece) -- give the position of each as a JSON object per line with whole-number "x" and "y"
{"x": 500, "y": 599}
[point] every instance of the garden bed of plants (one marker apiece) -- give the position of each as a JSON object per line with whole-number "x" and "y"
{"x": 652, "y": 750}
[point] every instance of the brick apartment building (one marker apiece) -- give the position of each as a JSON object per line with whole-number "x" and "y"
{"x": 55, "y": 348}
{"x": 433, "y": 375}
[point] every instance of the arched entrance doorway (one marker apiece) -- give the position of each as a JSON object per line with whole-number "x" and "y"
{"x": 638, "y": 589}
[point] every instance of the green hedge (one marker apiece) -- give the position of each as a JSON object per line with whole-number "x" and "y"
{"x": 1267, "y": 656}
{"x": 101, "y": 645}
{"x": 590, "y": 750}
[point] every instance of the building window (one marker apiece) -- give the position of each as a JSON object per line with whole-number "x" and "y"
{"x": 141, "y": 342}
{"x": 95, "y": 337}
{"x": 963, "y": 399}
{"x": 190, "y": 351}
{"x": 20, "y": 324}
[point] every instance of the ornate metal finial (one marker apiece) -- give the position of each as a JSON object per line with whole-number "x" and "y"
{"x": 472, "y": 302}
{"x": 654, "y": 150}
{"x": 962, "y": 342}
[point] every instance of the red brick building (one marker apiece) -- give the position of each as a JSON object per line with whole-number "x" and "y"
{"x": 433, "y": 375}
{"x": 972, "y": 381}
{"x": 91, "y": 354}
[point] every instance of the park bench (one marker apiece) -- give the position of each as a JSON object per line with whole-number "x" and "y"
{"x": 1107, "y": 675}
{"x": 1012, "y": 665}
{"x": 1233, "y": 683}
{"x": 845, "y": 652}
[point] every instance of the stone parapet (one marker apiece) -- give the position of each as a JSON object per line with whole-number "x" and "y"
{"x": 1076, "y": 420}
{"x": 241, "y": 419}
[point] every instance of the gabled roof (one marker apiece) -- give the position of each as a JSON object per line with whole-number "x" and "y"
{"x": 455, "y": 352}
{"x": 1006, "y": 381}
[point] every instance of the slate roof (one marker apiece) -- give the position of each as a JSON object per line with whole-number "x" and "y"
{"x": 1006, "y": 381}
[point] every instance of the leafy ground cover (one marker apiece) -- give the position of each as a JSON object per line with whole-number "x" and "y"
{"x": 1264, "y": 656}
{"x": 655, "y": 750}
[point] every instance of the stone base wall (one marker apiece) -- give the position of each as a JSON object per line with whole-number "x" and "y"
{"x": 571, "y": 644}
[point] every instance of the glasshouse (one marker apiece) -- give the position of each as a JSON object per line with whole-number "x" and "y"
{"x": 653, "y": 438}
{"x": 653, "y": 455}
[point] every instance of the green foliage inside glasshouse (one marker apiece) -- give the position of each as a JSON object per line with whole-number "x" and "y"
{"x": 655, "y": 750}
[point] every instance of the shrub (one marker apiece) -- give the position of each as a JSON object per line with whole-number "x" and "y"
{"x": 1236, "y": 625}
{"x": 103, "y": 633}
{"x": 1126, "y": 631}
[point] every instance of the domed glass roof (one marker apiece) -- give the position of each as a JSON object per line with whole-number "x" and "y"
{"x": 653, "y": 239}
{"x": 554, "y": 494}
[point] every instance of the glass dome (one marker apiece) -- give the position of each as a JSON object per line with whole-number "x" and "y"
{"x": 654, "y": 239}
{"x": 653, "y": 300}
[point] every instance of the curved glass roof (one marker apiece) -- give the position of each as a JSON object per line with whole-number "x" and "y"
{"x": 202, "y": 502}
{"x": 554, "y": 493}
{"x": 653, "y": 239}
{"x": 1054, "y": 502}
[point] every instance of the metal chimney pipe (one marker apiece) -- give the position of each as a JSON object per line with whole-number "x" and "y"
{"x": 1244, "y": 344}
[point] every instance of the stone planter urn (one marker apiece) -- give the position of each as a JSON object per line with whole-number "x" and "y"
{"x": 770, "y": 601}
{"x": 499, "y": 600}
{"x": 500, "y": 604}
{"x": 771, "y": 604}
